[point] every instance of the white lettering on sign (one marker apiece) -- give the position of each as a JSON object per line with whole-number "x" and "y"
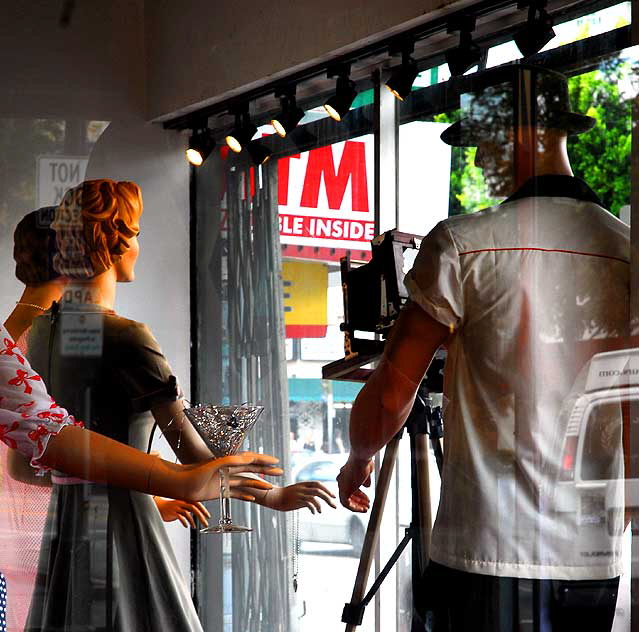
{"x": 57, "y": 174}
{"x": 326, "y": 228}
{"x": 325, "y": 195}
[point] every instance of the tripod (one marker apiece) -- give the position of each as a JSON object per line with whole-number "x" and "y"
{"x": 423, "y": 420}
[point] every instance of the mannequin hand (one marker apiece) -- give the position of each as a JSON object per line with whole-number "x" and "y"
{"x": 354, "y": 474}
{"x": 300, "y": 495}
{"x": 181, "y": 510}
{"x": 204, "y": 479}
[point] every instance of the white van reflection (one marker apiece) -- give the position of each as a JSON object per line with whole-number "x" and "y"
{"x": 591, "y": 481}
{"x": 332, "y": 526}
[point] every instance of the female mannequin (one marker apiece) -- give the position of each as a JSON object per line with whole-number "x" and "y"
{"x": 33, "y": 251}
{"x": 96, "y": 232}
{"x": 25, "y": 495}
{"x": 33, "y": 424}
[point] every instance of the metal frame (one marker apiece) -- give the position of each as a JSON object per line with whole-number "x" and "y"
{"x": 194, "y": 539}
{"x": 634, "y": 314}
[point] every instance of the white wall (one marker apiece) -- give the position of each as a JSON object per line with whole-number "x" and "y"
{"x": 94, "y": 68}
{"x": 131, "y": 149}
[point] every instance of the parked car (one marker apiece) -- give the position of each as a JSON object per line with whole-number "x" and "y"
{"x": 591, "y": 484}
{"x": 334, "y": 526}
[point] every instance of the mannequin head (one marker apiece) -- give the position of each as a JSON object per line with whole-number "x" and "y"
{"x": 33, "y": 246}
{"x": 96, "y": 227}
{"x": 508, "y": 164}
{"x": 33, "y": 250}
{"x": 519, "y": 117}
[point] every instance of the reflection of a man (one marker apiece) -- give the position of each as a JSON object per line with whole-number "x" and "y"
{"x": 515, "y": 294}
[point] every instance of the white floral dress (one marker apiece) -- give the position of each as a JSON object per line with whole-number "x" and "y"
{"x": 29, "y": 417}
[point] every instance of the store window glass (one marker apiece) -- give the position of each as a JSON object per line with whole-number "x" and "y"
{"x": 277, "y": 324}
{"x": 42, "y": 158}
{"x": 270, "y": 285}
{"x": 326, "y": 212}
{"x": 602, "y": 88}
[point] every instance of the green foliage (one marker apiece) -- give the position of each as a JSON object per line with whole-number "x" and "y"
{"x": 22, "y": 140}
{"x": 468, "y": 191}
{"x": 602, "y": 156}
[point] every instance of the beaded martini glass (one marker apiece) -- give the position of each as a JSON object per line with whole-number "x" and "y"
{"x": 223, "y": 429}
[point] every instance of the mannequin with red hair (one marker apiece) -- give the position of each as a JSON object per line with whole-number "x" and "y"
{"x": 118, "y": 383}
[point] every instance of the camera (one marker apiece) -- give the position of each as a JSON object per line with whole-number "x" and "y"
{"x": 373, "y": 295}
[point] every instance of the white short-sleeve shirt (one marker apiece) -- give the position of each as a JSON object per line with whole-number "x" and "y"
{"x": 533, "y": 289}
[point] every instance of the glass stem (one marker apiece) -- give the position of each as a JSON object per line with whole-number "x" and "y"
{"x": 225, "y": 503}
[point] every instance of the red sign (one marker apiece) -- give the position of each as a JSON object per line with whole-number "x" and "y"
{"x": 324, "y": 194}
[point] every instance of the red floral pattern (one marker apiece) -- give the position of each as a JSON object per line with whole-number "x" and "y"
{"x": 5, "y": 429}
{"x": 9, "y": 349}
{"x": 29, "y": 416}
{"x": 37, "y": 434}
{"x": 21, "y": 380}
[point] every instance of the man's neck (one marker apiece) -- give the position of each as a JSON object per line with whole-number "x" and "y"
{"x": 544, "y": 154}
{"x": 559, "y": 166}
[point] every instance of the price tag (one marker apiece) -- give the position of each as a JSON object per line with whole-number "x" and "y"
{"x": 81, "y": 335}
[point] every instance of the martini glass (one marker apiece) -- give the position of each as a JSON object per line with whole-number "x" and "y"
{"x": 223, "y": 429}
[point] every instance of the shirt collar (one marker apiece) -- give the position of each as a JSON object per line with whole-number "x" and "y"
{"x": 555, "y": 186}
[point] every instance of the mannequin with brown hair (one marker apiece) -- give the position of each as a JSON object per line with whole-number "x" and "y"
{"x": 25, "y": 494}
{"x": 33, "y": 251}
{"x": 72, "y": 449}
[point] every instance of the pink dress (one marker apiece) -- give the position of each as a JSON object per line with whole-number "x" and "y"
{"x": 28, "y": 419}
{"x": 21, "y": 524}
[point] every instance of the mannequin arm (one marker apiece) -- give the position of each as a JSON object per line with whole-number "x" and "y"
{"x": 182, "y": 510}
{"x": 296, "y": 496}
{"x": 178, "y": 431}
{"x": 94, "y": 457}
{"x": 20, "y": 469}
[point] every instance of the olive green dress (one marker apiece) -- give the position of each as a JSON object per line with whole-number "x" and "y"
{"x": 106, "y": 562}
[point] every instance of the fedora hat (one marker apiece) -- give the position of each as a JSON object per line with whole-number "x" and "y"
{"x": 501, "y": 94}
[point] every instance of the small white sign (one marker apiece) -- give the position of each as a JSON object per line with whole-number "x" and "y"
{"x": 57, "y": 174}
{"x": 81, "y": 334}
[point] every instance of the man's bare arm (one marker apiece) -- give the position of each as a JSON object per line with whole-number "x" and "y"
{"x": 386, "y": 399}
